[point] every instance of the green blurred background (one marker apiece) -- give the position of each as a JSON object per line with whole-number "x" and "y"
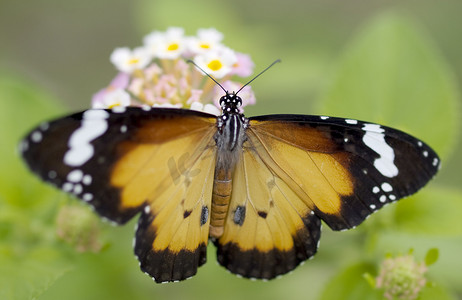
{"x": 55, "y": 54}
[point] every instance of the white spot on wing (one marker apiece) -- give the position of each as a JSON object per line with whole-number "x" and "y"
{"x": 23, "y": 146}
{"x": 94, "y": 124}
{"x": 119, "y": 109}
{"x": 350, "y": 121}
{"x": 147, "y": 209}
{"x": 52, "y": 174}
{"x": 324, "y": 117}
{"x": 375, "y": 189}
{"x": 67, "y": 187}
{"x": 372, "y": 206}
{"x": 87, "y": 197}
{"x": 86, "y": 179}
{"x": 386, "y": 187}
{"x": 36, "y": 136}
{"x": 374, "y": 138}
{"x": 77, "y": 189}
{"x": 383, "y": 198}
{"x": 44, "y": 126}
{"x": 75, "y": 176}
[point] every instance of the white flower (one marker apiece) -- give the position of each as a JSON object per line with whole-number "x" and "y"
{"x": 166, "y": 45}
{"x": 208, "y": 108}
{"x": 110, "y": 99}
{"x": 127, "y": 60}
{"x": 168, "y": 105}
{"x": 217, "y": 63}
{"x": 206, "y": 40}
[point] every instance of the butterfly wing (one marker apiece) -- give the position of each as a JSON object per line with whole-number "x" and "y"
{"x": 269, "y": 230}
{"x": 158, "y": 162}
{"x": 341, "y": 168}
{"x": 296, "y": 170}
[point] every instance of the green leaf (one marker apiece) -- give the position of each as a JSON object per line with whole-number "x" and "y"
{"x": 432, "y": 256}
{"x": 351, "y": 284}
{"x": 434, "y": 291}
{"x": 393, "y": 74}
{"x": 434, "y": 211}
{"x": 29, "y": 275}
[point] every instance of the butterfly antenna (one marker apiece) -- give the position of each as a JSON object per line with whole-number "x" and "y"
{"x": 273, "y": 63}
{"x": 208, "y": 75}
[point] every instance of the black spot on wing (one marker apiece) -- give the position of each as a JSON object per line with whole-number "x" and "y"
{"x": 263, "y": 214}
{"x": 204, "y": 215}
{"x": 239, "y": 215}
{"x": 187, "y": 213}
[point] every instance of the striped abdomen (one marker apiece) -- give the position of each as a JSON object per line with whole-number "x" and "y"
{"x": 229, "y": 139}
{"x": 220, "y": 200}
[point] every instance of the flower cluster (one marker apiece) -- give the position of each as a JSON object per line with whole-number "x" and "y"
{"x": 157, "y": 74}
{"x": 401, "y": 277}
{"x": 78, "y": 227}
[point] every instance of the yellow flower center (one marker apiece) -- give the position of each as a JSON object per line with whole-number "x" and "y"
{"x": 215, "y": 65}
{"x": 204, "y": 46}
{"x": 114, "y": 105}
{"x": 173, "y": 47}
{"x": 133, "y": 61}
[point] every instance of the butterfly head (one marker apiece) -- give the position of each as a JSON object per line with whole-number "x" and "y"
{"x": 230, "y": 103}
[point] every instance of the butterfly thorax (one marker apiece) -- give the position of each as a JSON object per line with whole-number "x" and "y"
{"x": 229, "y": 139}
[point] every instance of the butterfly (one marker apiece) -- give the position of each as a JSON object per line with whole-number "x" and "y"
{"x": 256, "y": 187}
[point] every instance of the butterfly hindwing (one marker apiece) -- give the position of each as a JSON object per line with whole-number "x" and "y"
{"x": 343, "y": 169}
{"x": 173, "y": 231}
{"x": 268, "y": 230}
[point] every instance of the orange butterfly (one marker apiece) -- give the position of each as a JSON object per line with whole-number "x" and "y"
{"x": 257, "y": 187}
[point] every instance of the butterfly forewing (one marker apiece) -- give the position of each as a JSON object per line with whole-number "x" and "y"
{"x": 343, "y": 169}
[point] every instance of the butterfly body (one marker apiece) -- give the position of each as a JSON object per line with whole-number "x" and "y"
{"x": 230, "y": 135}
{"x": 258, "y": 186}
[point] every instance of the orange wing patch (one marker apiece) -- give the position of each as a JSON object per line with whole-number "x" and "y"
{"x": 151, "y": 158}
{"x": 319, "y": 178}
{"x": 268, "y": 230}
{"x": 173, "y": 230}
{"x": 315, "y": 167}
